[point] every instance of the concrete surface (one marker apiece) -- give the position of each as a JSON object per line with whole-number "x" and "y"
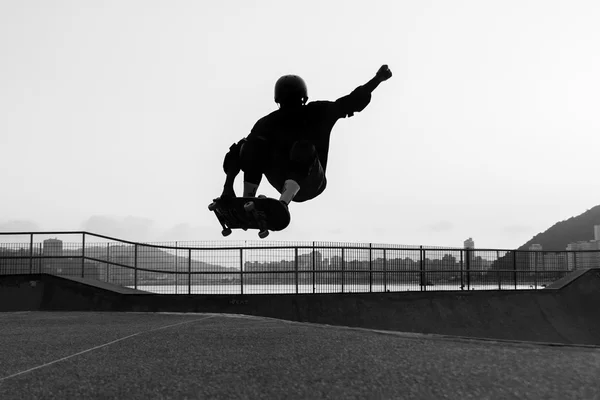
{"x": 107, "y": 355}
{"x": 566, "y": 313}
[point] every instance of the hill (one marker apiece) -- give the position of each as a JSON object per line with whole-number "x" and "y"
{"x": 574, "y": 229}
{"x": 148, "y": 258}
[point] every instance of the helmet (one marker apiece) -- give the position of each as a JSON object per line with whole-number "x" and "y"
{"x": 290, "y": 88}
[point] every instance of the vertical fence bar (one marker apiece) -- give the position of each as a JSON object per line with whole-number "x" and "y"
{"x": 241, "y": 270}
{"x": 384, "y": 271}
{"x": 535, "y": 272}
{"x": 83, "y": 255}
{"x": 296, "y": 265}
{"x": 135, "y": 267}
{"x": 468, "y": 267}
{"x": 189, "y": 271}
{"x": 370, "y": 267}
{"x": 31, "y": 253}
{"x": 421, "y": 255}
{"x": 514, "y": 257}
{"x": 314, "y": 270}
{"x": 462, "y": 271}
{"x": 343, "y": 271}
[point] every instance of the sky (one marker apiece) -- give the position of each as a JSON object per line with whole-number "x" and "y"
{"x": 115, "y": 115}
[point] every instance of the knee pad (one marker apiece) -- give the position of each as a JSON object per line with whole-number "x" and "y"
{"x": 253, "y": 154}
{"x": 231, "y": 163}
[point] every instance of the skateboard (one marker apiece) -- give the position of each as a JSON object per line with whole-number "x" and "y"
{"x": 262, "y": 213}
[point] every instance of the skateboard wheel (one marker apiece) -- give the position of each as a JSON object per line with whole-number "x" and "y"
{"x": 212, "y": 206}
{"x": 263, "y": 234}
{"x": 262, "y": 196}
{"x": 226, "y": 232}
{"x": 249, "y": 206}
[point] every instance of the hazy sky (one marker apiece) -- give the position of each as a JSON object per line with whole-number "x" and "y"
{"x": 115, "y": 115}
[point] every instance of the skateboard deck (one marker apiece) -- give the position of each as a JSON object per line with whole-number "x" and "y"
{"x": 262, "y": 213}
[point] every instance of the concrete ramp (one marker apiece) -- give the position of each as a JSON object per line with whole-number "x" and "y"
{"x": 567, "y": 312}
{"x": 39, "y": 292}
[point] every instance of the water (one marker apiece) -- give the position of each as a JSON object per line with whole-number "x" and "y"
{"x": 317, "y": 288}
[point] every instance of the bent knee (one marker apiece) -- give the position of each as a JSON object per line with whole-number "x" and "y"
{"x": 303, "y": 151}
{"x": 253, "y": 153}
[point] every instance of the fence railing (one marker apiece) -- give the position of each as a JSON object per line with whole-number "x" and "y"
{"x": 283, "y": 267}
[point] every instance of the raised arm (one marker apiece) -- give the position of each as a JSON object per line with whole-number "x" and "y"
{"x": 383, "y": 74}
{"x": 361, "y": 96}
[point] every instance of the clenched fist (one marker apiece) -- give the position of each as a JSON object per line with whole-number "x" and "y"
{"x": 384, "y": 73}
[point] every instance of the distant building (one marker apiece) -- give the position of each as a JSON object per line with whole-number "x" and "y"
{"x": 536, "y": 260}
{"x": 540, "y": 260}
{"x": 305, "y": 261}
{"x": 554, "y": 260}
{"x": 52, "y": 248}
{"x": 588, "y": 253}
{"x": 468, "y": 245}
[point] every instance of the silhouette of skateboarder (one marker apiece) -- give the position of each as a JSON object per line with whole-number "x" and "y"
{"x": 290, "y": 146}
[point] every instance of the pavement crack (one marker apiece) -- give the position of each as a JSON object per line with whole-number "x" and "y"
{"x": 101, "y": 346}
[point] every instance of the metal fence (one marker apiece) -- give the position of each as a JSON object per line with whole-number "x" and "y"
{"x": 259, "y": 267}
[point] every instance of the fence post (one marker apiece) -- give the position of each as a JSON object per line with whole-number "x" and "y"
{"x": 384, "y": 271}
{"x": 314, "y": 270}
{"x": 31, "y": 253}
{"x": 83, "y": 255}
{"x": 535, "y": 273}
{"x": 421, "y": 256}
{"x": 515, "y": 267}
{"x": 343, "y": 270}
{"x": 241, "y": 270}
{"x": 468, "y": 267}
{"x": 296, "y": 265}
{"x": 135, "y": 266}
{"x": 462, "y": 270}
{"x": 370, "y": 267}
{"x": 189, "y": 271}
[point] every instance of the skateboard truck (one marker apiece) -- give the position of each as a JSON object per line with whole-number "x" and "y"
{"x": 213, "y": 207}
{"x": 250, "y": 208}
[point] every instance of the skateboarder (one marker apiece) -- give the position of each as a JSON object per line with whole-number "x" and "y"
{"x": 290, "y": 146}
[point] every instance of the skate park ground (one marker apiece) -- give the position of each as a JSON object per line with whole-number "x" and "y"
{"x": 73, "y": 338}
